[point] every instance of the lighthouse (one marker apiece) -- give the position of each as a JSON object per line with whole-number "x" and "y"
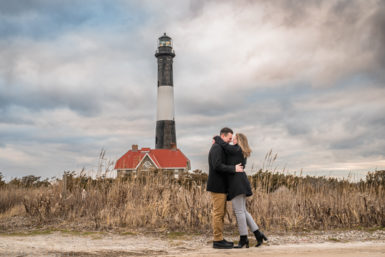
{"x": 165, "y": 137}
{"x": 166, "y": 156}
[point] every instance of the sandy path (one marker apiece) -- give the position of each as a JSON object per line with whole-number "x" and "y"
{"x": 61, "y": 244}
{"x": 357, "y": 249}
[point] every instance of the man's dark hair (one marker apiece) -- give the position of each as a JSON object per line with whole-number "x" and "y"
{"x": 226, "y": 131}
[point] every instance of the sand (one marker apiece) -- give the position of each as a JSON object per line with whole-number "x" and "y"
{"x": 101, "y": 244}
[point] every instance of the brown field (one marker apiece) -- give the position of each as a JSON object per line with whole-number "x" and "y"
{"x": 156, "y": 214}
{"x": 159, "y": 203}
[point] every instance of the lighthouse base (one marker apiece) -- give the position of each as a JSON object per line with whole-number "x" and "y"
{"x": 165, "y": 134}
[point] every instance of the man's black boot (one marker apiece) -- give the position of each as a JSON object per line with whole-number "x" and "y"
{"x": 223, "y": 244}
{"x": 260, "y": 237}
{"x": 242, "y": 242}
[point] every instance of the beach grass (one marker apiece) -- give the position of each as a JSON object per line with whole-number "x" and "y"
{"x": 159, "y": 202}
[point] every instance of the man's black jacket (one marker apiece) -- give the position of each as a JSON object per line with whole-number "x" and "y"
{"x": 218, "y": 169}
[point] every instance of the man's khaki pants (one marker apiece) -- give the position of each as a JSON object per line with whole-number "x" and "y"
{"x": 218, "y": 214}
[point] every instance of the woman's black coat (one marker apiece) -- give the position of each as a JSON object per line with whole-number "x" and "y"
{"x": 238, "y": 183}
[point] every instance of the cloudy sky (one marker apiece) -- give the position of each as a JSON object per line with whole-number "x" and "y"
{"x": 304, "y": 79}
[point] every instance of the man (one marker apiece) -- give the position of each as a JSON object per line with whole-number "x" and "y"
{"x": 217, "y": 185}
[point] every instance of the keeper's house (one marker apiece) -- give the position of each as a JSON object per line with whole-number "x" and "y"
{"x": 147, "y": 159}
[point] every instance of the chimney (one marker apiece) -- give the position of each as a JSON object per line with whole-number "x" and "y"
{"x": 134, "y": 148}
{"x": 173, "y": 146}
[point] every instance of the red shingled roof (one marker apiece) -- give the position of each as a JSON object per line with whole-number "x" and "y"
{"x": 162, "y": 158}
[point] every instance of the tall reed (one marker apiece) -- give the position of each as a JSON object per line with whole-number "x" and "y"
{"x": 157, "y": 201}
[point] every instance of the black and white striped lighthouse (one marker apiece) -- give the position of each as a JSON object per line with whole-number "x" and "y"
{"x": 165, "y": 137}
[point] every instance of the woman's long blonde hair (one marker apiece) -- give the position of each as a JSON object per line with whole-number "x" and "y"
{"x": 244, "y": 144}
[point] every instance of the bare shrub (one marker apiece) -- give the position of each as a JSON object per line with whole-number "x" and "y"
{"x": 10, "y": 197}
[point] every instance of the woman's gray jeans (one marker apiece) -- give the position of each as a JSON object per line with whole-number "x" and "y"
{"x": 244, "y": 218}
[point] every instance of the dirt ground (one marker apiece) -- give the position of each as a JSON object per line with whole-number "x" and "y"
{"x": 58, "y": 244}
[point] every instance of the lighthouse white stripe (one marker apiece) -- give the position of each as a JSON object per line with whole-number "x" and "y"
{"x": 165, "y": 103}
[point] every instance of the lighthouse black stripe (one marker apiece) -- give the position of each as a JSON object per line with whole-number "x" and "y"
{"x": 165, "y": 76}
{"x": 165, "y": 134}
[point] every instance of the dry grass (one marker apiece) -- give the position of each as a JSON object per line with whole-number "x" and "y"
{"x": 296, "y": 203}
{"x": 157, "y": 201}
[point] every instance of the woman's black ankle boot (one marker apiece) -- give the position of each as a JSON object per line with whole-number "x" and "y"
{"x": 242, "y": 242}
{"x": 260, "y": 237}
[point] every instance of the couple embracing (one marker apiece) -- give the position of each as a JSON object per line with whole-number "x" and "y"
{"x": 227, "y": 181}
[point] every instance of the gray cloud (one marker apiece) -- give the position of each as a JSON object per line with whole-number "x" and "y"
{"x": 377, "y": 35}
{"x": 302, "y": 78}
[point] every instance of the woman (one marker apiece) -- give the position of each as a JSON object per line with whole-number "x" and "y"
{"x": 239, "y": 188}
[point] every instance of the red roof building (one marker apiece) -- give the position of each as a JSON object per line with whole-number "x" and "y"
{"x": 148, "y": 159}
